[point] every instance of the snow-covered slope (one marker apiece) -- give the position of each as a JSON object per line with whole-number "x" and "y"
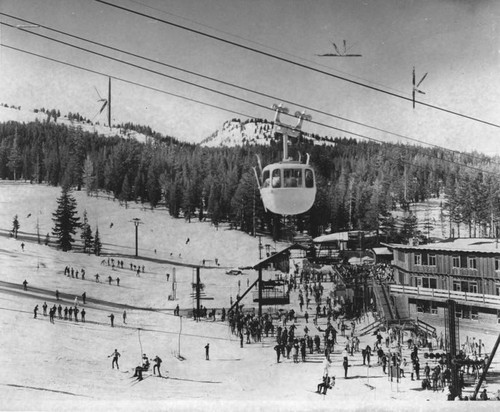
{"x": 27, "y": 116}
{"x": 66, "y": 366}
{"x": 254, "y": 132}
{"x": 235, "y": 133}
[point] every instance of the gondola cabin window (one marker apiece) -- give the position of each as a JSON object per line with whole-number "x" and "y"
{"x": 309, "y": 178}
{"x": 265, "y": 178}
{"x": 292, "y": 177}
{"x": 276, "y": 180}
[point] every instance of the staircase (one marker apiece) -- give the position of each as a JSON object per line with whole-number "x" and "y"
{"x": 385, "y": 306}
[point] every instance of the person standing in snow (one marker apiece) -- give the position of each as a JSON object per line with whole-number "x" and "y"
{"x": 44, "y": 307}
{"x": 115, "y": 356}
{"x": 25, "y": 284}
{"x": 207, "y": 350}
{"x": 112, "y": 319}
{"x": 35, "y": 311}
{"x": 82, "y": 313}
{"x": 125, "y": 316}
{"x": 84, "y": 297}
{"x": 157, "y": 360}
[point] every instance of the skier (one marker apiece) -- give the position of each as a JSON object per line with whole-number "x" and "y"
{"x": 157, "y": 360}
{"x": 52, "y": 311}
{"x": 22, "y": 246}
{"x": 97, "y": 277}
{"x": 207, "y": 349}
{"x": 25, "y": 284}
{"x": 125, "y": 316}
{"x": 327, "y": 383}
{"x": 44, "y": 307}
{"x": 110, "y": 279}
{"x": 35, "y": 311}
{"x": 277, "y": 348}
{"x": 117, "y": 281}
{"x": 112, "y": 318}
{"x": 76, "y": 313}
{"x": 346, "y": 366}
{"x": 143, "y": 368}
{"x": 83, "y": 315}
{"x": 59, "y": 311}
{"x": 66, "y": 313}
{"x": 84, "y": 297}
{"x": 115, "y": 356}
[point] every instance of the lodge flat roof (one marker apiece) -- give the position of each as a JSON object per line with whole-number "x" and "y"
{"x": 474, "y": 245}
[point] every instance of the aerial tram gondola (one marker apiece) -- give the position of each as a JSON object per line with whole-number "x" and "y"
{"x": 287, "y": 188}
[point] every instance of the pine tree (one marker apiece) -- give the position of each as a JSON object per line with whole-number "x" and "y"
{"x": 86, "y": 235}
{"x": 65, "y": 220}
{"x": 15, "y": 226}
{"x": 125, "y": 192}
{"x": 89, "y": 178}
{"x": 14, "y": 159}
{"x": 97, "y": 242}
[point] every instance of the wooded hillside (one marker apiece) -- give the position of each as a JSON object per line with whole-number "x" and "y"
{"x": 359, "y": 183}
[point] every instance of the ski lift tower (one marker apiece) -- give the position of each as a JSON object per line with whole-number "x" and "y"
{"x": 136, "y": 221}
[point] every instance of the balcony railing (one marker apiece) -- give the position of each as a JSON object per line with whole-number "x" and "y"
{"x": 447, "y": 294}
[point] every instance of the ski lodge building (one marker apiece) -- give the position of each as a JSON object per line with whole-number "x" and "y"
{"x": 465, "y": 270}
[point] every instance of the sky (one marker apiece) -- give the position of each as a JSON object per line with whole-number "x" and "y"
{"x": 455, "y": 41}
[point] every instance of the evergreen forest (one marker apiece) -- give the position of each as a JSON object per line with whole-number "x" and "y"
{"x": 360, "y": 183}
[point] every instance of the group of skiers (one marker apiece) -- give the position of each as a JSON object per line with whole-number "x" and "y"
{"x": 63, "y": 314}
{"x": 71, "y": 272}
{"x": 138, "y": 370}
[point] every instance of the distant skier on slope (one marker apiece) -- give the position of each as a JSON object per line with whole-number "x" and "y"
{"x": 115, "y": 356}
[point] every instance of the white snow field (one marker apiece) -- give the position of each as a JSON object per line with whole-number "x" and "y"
{"x": 66, "y": 366}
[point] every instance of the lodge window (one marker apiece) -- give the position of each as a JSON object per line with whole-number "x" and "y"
{"x": 418, "y": 259}
{"x": 456, "y": 261}
{"x": 432, "y": 260}
{"x": 429, "y": 283}
{"x": 434, "y": 309}
{"x": 469, "y": 312}
{"x": 472, "y": 263}
{"x": 465, "y": 286}
{"x": 424, "y": 306}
